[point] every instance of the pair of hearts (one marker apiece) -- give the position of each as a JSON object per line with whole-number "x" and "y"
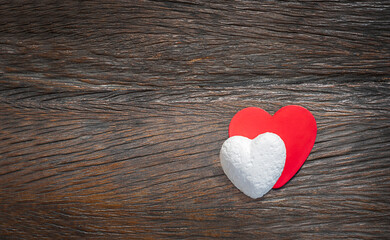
{"x": 281, "y": 143}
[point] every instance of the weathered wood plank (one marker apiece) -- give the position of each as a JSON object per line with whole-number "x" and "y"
{"x": 156, "y": 162}
{"x": 141, "y": 44}
{"x": 113, "y": 114}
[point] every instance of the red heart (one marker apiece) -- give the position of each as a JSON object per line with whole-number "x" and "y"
{"x": 294, "y": 124}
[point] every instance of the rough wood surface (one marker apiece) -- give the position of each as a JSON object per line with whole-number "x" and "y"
{"x": 113, "y": 114}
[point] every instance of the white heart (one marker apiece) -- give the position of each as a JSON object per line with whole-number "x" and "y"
{"x": 253, "y": 166}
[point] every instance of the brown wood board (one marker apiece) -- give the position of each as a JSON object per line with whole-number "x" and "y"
{"x": 112, "y": 115}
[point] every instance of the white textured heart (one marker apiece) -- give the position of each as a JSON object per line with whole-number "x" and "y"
{"x": 255, "y": 165}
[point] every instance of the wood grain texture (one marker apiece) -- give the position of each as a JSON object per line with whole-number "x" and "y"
{"x": 113, "y": 114}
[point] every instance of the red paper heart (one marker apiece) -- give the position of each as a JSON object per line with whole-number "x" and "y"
{"x": 294, "y": 124}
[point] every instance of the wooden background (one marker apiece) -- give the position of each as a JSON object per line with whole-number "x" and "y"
{"x": 113, "y": 114}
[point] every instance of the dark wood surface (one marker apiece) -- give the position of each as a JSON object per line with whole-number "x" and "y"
{"x": 113, "y": 114}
